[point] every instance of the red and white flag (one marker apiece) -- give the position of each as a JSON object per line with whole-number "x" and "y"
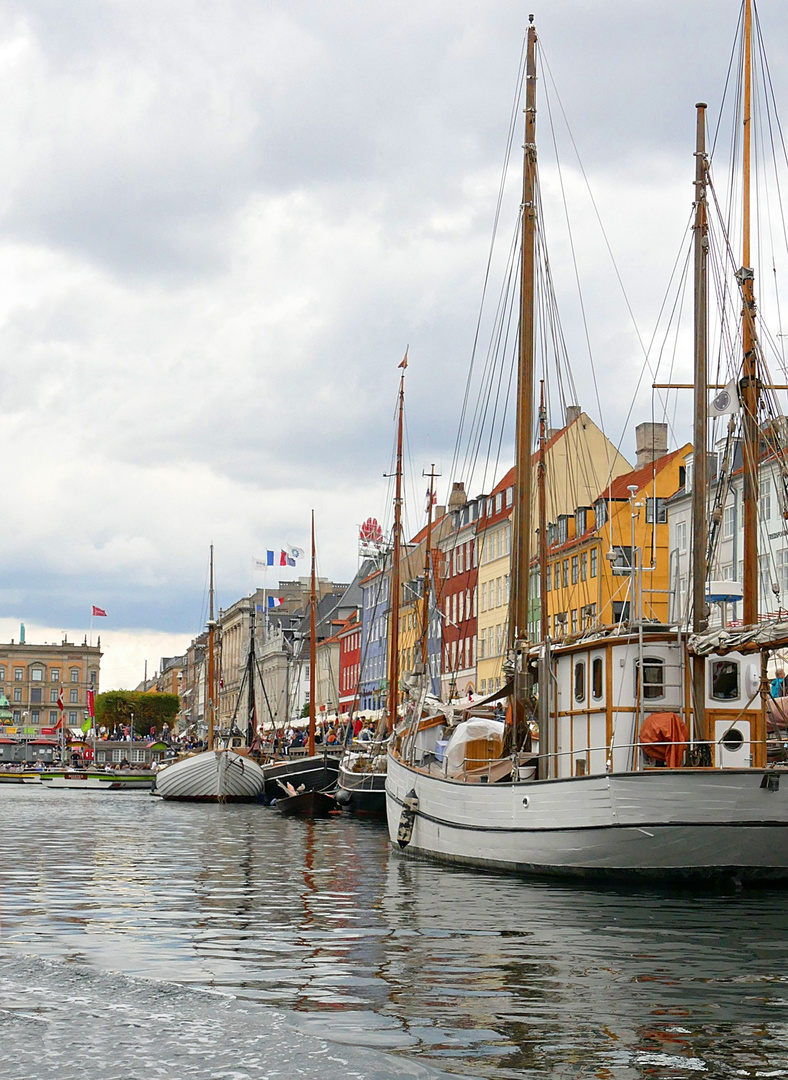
{"x": 91, "y": 704}
{"x": 60, "y": 704}
{"x": 99, "y": 611}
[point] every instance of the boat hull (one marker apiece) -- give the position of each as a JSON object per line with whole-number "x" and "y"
{"x": 213, "y": 776}
{"x": 316, "y": 773}
{"x": 660, "y": 823}
{"x": 362, "y": 792}
{"x": 90, "y": 781}
{"x": 310, "y": 804}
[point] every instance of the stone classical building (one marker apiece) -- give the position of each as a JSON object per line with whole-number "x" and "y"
{"x": 35, "y": 677}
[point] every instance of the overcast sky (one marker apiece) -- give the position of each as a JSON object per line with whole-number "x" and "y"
{"x": 222, "y": 222}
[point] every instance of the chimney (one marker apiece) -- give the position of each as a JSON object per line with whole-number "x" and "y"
{"x": 572, "y": 413}
{"x": 458, "y": 498}
{"x": 651, "y": 442}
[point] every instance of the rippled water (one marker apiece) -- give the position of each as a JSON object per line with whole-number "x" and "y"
{"x": 143, "y": 938}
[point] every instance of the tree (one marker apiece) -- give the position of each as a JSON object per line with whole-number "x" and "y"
{"x": 149, "y": 710}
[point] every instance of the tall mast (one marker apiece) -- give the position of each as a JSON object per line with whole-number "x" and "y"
{"x": 251, "y": 714}
{"x": 395, "y": 567}
{"x": 749, "y": 383}
{"x": 518, "y": 629}
{"x": 425, "y": 614}
{"x": 700, "y": 478}
{"x": 211, "y": 659}
{"x": 544, "y": 629}
{"x": 312, "y": 647}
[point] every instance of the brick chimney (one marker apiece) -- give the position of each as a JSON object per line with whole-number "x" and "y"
{"x": 651, "y": 442}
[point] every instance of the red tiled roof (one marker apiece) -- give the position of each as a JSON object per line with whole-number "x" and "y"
{"x": 638, "y": 478}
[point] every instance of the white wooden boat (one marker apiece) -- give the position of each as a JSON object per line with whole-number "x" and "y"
{"x": 95, "y": 780}
{"x": 603, "y": 796}
{"x": 212, "y": 776}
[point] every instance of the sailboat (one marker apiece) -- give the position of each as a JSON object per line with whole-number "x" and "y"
{"x": 590, "y": 800}
{"x": 361, "y": 784}
{"x": 219, "y": 773}
{"x": 299, "y": 793}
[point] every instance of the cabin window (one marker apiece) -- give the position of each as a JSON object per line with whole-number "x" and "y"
{"x": 724, "y": 680}
{"x": 653, "y": 677}
{"x": 580, "y": 680}
{"x": 596, "y": 677}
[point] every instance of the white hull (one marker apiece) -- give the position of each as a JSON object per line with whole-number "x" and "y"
{"x": 80, "y": 781}
{"x": 213, "y": 776}
{"x": 657, "y": 823}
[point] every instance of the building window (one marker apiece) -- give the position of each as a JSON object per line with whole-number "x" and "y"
{"x": 499, "y": 502}
{"x": 596, "y": 677}
{"x": 35, "y": 695}
{"x": 594, "y": 558}
{"x": 72, "y": 717}
{"x": 580, "y": 680}
{"x": 565, "y": 572}
{"x": 724, "y": 680}
{"x": 574, "y": 620}
{"x": 52, "y": 717}
{"x": 549, "y": 578}
{"x": 19, "y": 674}
{"x": 17, "y": 716}
{"x": 557, "y": 578}
{"x": 574, "y": 570}
{"x": 75, "y": 674}
{"x": 563, "y": 528}
{"x": 34, "y": 716}
{"x": 73, "y": 696}
{"x": 54, "y": 675}
{"x": 653, "y": 677}
{"x": 681, "y": 535}
{"x": 600, "y": 513}
{"x": 729, "y": 522}
{"x": 36, "y": 674}
{"x": 580, "y": 520}
{"x": 583, "y": 565}
{"x": 2, "y": 674}
{"x": 661, "y": 515}
{"x": 509, "y": 495}
{"x": 17, "y": 695}
{"x": 766, "y": 500}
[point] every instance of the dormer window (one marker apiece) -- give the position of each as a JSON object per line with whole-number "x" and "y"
{"x": 600, "y": 513}
{"x": 563, "y": 528}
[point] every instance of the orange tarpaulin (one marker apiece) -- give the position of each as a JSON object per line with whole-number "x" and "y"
{"x": 663, "y": 737}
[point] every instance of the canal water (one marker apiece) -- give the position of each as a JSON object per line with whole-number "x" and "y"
{"x": 147, "y": 939}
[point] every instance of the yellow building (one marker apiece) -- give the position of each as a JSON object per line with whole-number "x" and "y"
{"x": 589, "y": 569}
{"x": 579, "y": 461}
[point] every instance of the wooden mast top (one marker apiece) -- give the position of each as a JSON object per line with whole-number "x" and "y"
{"x": 393, "y": 671}
{"x": 518, "y": 628}
{"x": 750, "y": 387}
{"x": 211, "y": 660}
{"x": 312, "y": 648}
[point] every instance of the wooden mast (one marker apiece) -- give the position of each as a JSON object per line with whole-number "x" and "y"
{"x": 544, "y": 628}
{"x": 700, "y": 472}
{"x": 750, "y": 387}
{"x": 211, "y": 660}
{"x": 518, "y": 628}
{"x": 393, "y": 670}
{"x": 425, "y": 613}
{"x": 312, "y": 648}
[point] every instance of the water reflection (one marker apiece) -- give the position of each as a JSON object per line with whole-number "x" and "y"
{"x": 477, "y": 974}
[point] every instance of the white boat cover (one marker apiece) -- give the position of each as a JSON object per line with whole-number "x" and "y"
{"x": 765, "y": 635}
{"x": 478, "y": 727}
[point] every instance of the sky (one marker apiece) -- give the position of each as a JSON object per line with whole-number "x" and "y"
{"x": 221, "y": 224}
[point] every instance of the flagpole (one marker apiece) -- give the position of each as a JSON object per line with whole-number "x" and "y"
{"x": 91, "y": 626}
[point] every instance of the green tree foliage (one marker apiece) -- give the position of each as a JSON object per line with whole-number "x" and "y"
{"x": 150, "y": 710}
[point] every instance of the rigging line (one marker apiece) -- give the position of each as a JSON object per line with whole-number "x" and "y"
{"x": 736, "y": 42}
{"x": 575, "y": 267}
{"x": 496, "y": 218}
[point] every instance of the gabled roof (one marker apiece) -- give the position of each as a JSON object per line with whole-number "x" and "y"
{"x": 639, "y": 478}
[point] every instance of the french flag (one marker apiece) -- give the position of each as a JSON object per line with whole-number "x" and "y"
{"x": 275, "y": 601}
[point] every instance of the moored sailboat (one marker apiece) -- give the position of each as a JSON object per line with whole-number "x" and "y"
{"x": 601, "y": 796}
{"x": 219, "y": 773}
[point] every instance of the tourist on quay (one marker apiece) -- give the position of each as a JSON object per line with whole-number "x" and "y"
{"x": 365, "y": 735}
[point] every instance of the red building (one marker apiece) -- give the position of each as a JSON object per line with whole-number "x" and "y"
{"x": 457, "y": 597}
{"x": 349, "y": 663}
